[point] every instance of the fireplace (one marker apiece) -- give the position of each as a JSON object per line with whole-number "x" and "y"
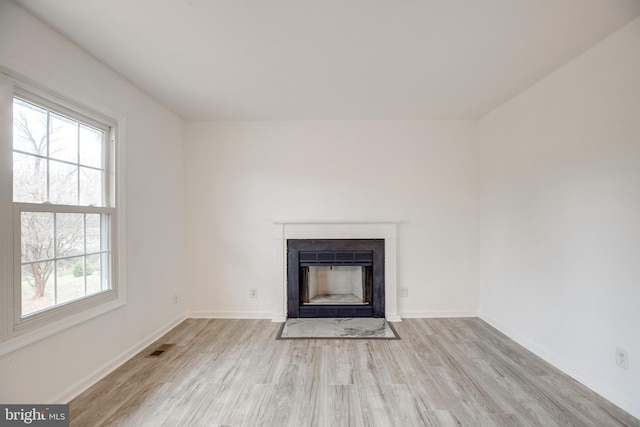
{"x": 335, "y": 278}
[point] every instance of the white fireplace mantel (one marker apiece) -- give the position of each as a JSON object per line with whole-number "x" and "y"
{"x": 284, "y": 230}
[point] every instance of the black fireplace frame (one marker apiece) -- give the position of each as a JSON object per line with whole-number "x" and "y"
{"x": 295, "y": 309}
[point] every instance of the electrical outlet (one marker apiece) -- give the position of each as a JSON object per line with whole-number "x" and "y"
{"x": 404, "y": 292}
{"x": 175, "y": 298}
{"x": 253, "y": 293}
{"x": 622, "y": 358}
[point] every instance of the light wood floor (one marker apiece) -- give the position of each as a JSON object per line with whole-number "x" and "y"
{"x": 443, "y": 372}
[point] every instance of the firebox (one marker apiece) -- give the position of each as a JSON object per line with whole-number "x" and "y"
{"x": 335, "y": 278}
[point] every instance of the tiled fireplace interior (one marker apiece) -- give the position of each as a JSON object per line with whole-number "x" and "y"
{"x": 341, "y": 284}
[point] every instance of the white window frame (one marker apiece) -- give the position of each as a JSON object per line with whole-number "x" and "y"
{"x": 17, "y": 331}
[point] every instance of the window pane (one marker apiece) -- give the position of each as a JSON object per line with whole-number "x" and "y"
{"x": 57, "y": 161}
{"x": 70, "y": 274}
{"x": 29, "y": 128}
{"x": 36, "y": 236}
{"x": 93, "y": 274}
{"x": 90, "y": 146}
{"x": 37, "y": 287}
{"x": 63, "y": 138}
{"x": 29, "y": 178}
{"x": 93, "y": 233}
{"x": 69, "y": 234}
{"x": 90, "y": 187}
{"x": 63, "y": 183}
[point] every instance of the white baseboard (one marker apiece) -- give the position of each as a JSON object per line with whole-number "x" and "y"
{"x": 438, "y": 313}
{"x": 231, "y": 315}
{"x": 82, "y": 385}
{"x": 632, "y": 407}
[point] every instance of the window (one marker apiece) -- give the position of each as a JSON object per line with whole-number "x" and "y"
{"x": 63, "y": 207}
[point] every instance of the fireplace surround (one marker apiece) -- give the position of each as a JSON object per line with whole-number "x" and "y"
{"x": 335, "y": 278}
{"x": 285, "y": 230}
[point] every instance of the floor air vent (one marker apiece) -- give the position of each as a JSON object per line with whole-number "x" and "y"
{"x": 160, "y": 350}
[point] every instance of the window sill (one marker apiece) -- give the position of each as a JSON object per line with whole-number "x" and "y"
{"x": 31, "y": 337}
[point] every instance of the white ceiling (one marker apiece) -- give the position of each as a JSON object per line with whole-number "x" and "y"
{"x": 334, "y": 59}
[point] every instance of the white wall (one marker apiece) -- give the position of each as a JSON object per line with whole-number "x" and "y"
{"x": 244, "y": 175}
{"x": 560, "y": 217}
{"x": 61, "y": 365}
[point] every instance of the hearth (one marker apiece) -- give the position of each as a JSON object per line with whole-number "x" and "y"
{"x": 335, "y": 278}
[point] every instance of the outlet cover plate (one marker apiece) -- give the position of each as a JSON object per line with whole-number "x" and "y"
{"x": 622, "y": 358}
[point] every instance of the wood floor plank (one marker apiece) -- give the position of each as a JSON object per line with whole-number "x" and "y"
{"x": 443, "y": 372}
